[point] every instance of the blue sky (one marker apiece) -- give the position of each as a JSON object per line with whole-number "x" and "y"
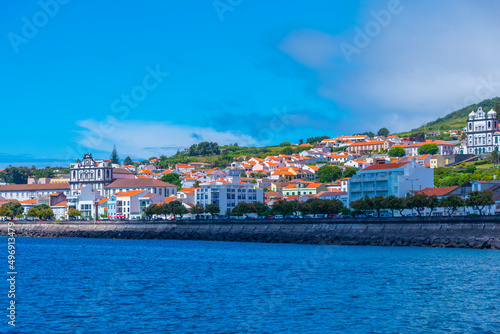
{"x": 156, "y": 76}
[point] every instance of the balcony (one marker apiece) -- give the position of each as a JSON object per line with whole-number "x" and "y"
{"x": 355, "y": 178}
{"x": 381, "y": 188}
{"x": 366, "y": 189}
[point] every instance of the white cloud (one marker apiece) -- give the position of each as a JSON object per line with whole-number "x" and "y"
{"x": 431, "y": 59}
{"x": 312, "y": 48}
{"x": 142, "y": 139}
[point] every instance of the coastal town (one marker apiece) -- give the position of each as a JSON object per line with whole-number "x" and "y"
{"x": 351, "y": 175}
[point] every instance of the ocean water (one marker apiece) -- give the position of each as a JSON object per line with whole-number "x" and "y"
{"x": 168, "y": 286}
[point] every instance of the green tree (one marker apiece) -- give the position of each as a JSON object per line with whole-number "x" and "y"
{"x": 418, "y": 202}
{"x": 172, "y": 178}
{"x": 33, "y": 212}
{"x": 301, "y": 141}
{"x": 282, "y": 207}
{"x": 6, "y": 212}
{"x": 313, "y": 140}
{"x": 428, "y": 149}
{"x": 480, "y": 200}
{"x": 127, "y": 161}
{"x": 115, "y": 159}
{"x": 362, "y": 205}
{"x": 73, "y": 213}
{"x": 432, "y": 203}
{"x": 451, "y": 203}
{"x": 242, "y": 208}
{"x": 327, "y": 174}
{"x": 16, "y": 208}
{"x": 260, "y": 208}
{"x": 397, "y": 152}
{"x": 383, "y": 132}
{"x": 150, "y": 211}
{"x": 285, "y": 143}
{"x": 394, "y": 203}
{"x": 494, "y": 157}
{"x": 212, "y": 209}
{"x": 287, "y": 151}
{"x": 378, "y": 203}
{"x": 197, "y": 210}
{"x": 177, "y": 208}
{"x": 46, "y": 213}
{"x": 349, "y": 172}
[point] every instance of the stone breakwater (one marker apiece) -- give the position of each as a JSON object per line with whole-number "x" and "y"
{"x": 464, "y": 232}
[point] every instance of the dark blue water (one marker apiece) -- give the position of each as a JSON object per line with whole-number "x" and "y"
{"x": 156, "y": 286}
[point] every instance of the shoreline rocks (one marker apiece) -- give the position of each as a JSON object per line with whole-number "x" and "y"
{"x": 478, "y": 232}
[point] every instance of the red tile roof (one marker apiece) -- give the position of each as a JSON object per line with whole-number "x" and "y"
{"x": 441, "y": 191}
{"x": 386, "y": 166}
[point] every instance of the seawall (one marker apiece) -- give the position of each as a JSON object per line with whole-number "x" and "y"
{"x": 458, "y": 232}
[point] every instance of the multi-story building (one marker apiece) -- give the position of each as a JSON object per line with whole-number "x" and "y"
{"x": 481, "y": 132}
{"x": 150, "y": 185}
{"x": 227, "y": 195}
{"x": 97, "y": 174}
{"x": 299, "y": 187}
{"x": 398, "y": 179}
{"x": 39, "y": 192}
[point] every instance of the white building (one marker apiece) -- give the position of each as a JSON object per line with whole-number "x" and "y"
{"x": 482, "y": 132}
{"x": 227, "y": 195}
{"x": 397, "y": 179}
{"x": 97, "y": 174}
{"x": 39, "y": 192}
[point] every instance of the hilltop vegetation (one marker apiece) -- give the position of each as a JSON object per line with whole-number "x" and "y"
{"x": 458, "y": 119}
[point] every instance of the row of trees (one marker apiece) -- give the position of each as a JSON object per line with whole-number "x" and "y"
{"x": 176, "y": 208}
{"x": 41, "y": 211}
{"x": 288, "y": 208}
{"x": 430, "y": 148}
{"x": 20, "y": 175}
{"x": 204, "y": 148}
{"x": 477, "y": 200}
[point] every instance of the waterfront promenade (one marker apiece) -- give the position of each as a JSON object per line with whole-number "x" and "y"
{"x": 459, "y": 232}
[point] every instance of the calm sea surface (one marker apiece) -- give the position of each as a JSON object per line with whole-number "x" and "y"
{"x": 164, "y": 286}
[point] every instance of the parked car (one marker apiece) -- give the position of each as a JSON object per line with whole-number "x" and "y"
{"x": 269, "y": 217}
{"x": 332, "y": 216}
{"x": 278, "y": 217}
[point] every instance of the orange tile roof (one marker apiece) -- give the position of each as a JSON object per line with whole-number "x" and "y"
{"x": 171, "y": 199}
{"x": 29, "y": 201}
{"x": 102, "y": 201}
{"x": 63, "y": 203}
{"x": 131, "y": 193}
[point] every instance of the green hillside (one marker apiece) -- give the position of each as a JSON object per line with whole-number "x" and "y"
{"x": 457, "y": 119}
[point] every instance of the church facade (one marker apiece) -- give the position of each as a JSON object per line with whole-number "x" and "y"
{"x": 97, "y": 174}
{"x": 482, "y": 132}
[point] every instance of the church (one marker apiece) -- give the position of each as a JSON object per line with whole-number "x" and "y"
{"x": 97, "y": 174}
{"x": 482, "y": 132}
